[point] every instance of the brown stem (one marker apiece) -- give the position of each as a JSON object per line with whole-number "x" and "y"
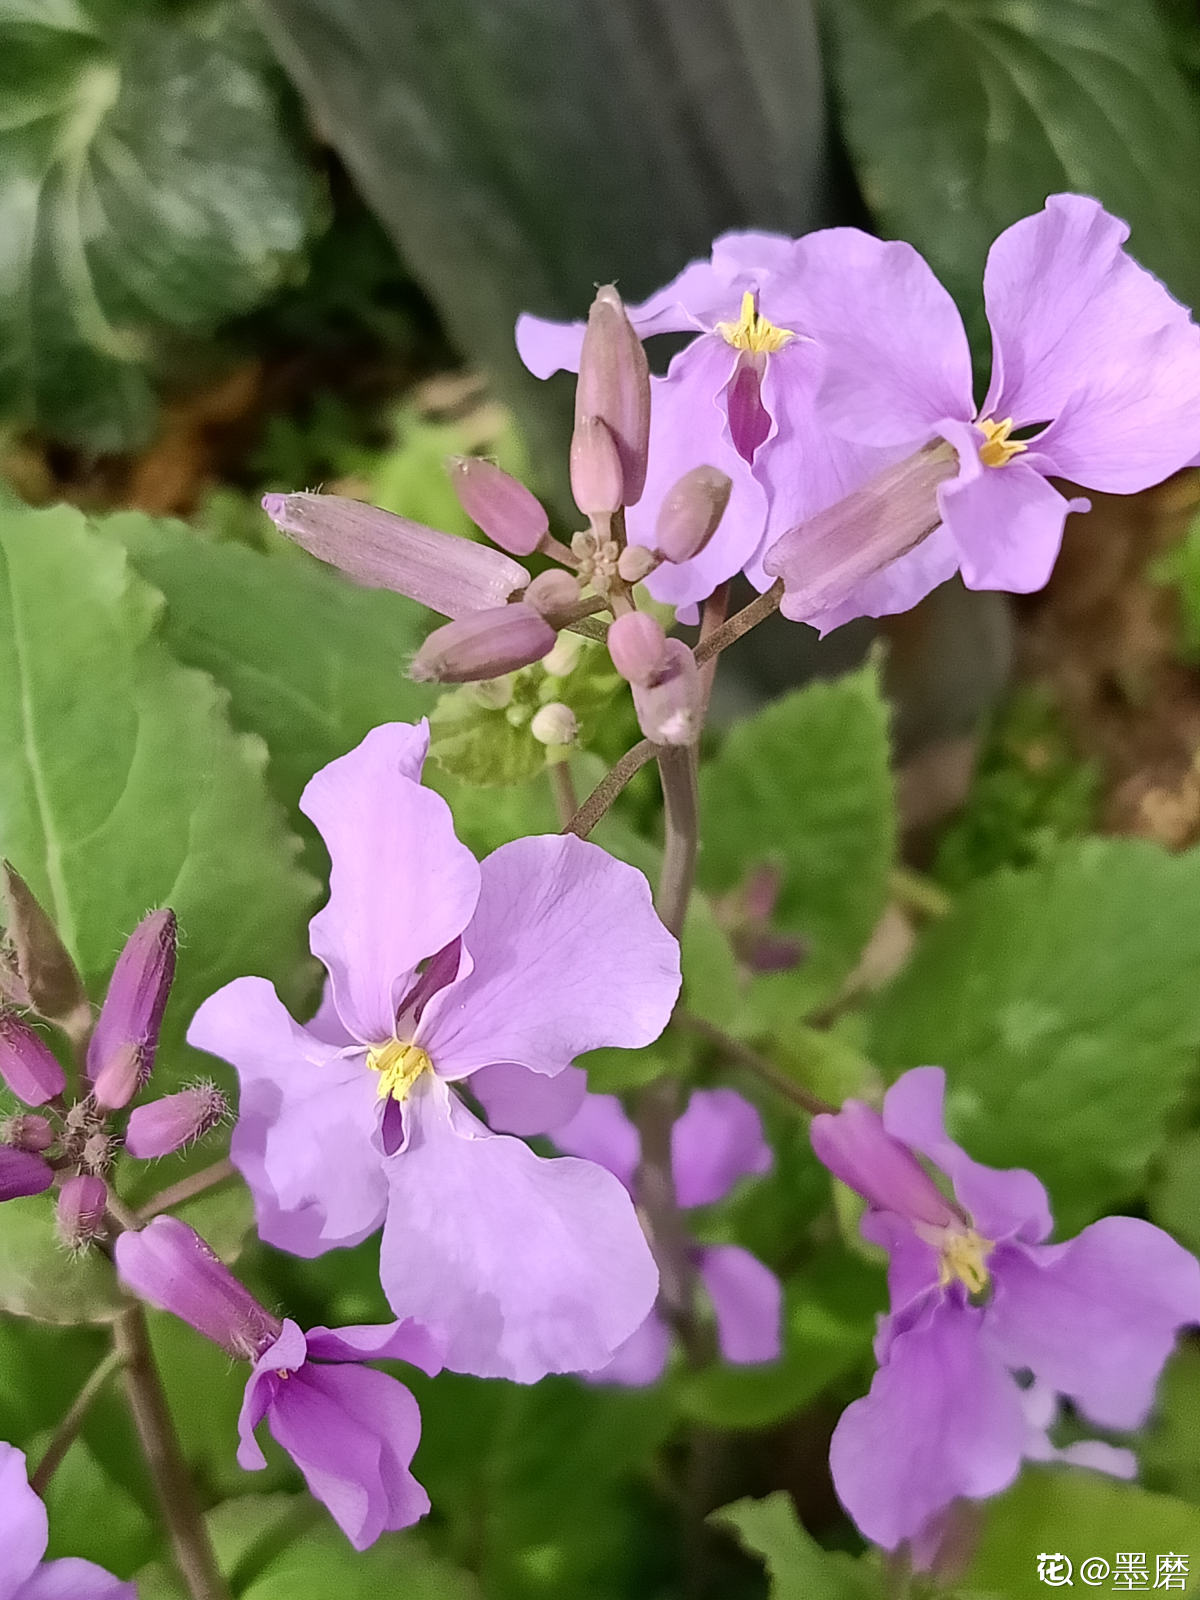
{"x": 207, "y": 1178}
{"x": 677, "y": 770}
{"x": 609, "y": 787}
{"x": 739, "y": 623}
{"x": 172, "y": 1481}
{"x": 747, "y": 1057}
{"x": 711, "y": 619}
{"x": 68, "y": 1429}
{"x": 565, "y": 800}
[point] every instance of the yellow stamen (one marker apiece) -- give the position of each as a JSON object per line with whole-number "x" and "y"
{"x": 998, "y": 449}
{"x": 963, "y": 1255}
{"x": 752, "y": 331}
{"x": 399, "y": 1065}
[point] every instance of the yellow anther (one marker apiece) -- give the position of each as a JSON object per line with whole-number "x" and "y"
{"x": 963, "y": 1256}
{"x": 998, "y": 449}
{"x": 752, "y": 331}
{"x": 399, "y": 1065}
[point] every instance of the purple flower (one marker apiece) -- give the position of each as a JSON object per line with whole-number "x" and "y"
{"x": 739, "y": 398}
{"x": 1095, "y": 378}
{"x": 716, "y": 1141}
{"x": 442, "y": 970}
{"x": 977, "y": 1299}
{"x": 24, "y": 1534}
{"x": 120, "y": 1055}
{"x": 351, "y": 1431}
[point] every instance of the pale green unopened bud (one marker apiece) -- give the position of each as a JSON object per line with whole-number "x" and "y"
{"x": 555, "y": 724}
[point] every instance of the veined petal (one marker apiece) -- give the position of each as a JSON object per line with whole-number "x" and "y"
{"x": 401, "y": 885}
{"x": 601, "y": 1132}
{"x": 896, "y": 587}
{"x": 23, "y": 1524}
{"x": 516, "y": 1100}
{"x": 748, "y": 1301}
{"x": 518, "y": 1266}
{"x": 717, "y": 1140}
{"x": 569, "y": 955}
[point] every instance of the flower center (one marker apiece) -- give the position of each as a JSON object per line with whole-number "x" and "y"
{"x": 752, "y": 331}
{"x": 962, "y": 1258}
{"x": 997, "y": 449}
{"x": 399, "y": 1065}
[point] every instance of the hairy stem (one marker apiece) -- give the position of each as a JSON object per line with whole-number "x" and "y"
{"x": 207, "y": 1178}
{"x": 563, "y": 785}
{"x": 160, "y": 1445}
{"x": 677, "y": 770}
{"x": 609, "y": 787}
{"x": 68, "y": 1429}
{"x": 739, "y": 623}
{"x": 712, "y": 617}
{"x": 745, "y": 1056}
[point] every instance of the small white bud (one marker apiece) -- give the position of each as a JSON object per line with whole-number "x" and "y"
{"x": 555, "y": 724}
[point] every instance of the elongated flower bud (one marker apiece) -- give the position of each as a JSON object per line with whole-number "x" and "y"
{"x": 511, "y": 515}
{"x": 174, "y": 1121}
{"x": 450, "y": 575}
{"x": 638, "y": 647}
{"x": 691, "y": 512}
{"x": 49, "y": 981}
{"x": 484, "y": 645}
{"x": 553, "y": 595}
{"x": 668, "y": 707}
{"x": 170, "y": 1266}
{"x": 81, "y": 1204}
{"x": 596, "y": 478}
{"x": 614, "y": 385}
{"x": 120, "y": 1054}
{"x": 27, "y": 1063}
{"x": 28, "y": 1132}
{"x": 22, "y": 1173}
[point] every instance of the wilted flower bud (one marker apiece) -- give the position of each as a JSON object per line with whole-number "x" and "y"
{"x": 81, "y": 1204}
{"x": 554, "y": 595}
{"x": 554, "y": 724}
{"x": 27, "y": 1132}
{"x": 27, "y": 1064}
{"x": 596, "y": 480}
{"x": 120, "y": 1053}
{"x": 511, "y": 515}
{"x": 450, "y": 575}
{"x": 638, "y": 647}
{"x": 690, "y": 513}
{"x": 636, "y": 562}
{"x": 45, "y": 977}
{"x": 614, "y": 385}
{"x": 175, "y": 1120}
{"x": 483, "y": 645}
{"x": 22, "y": 1173}
{"x": 668, "y": 707}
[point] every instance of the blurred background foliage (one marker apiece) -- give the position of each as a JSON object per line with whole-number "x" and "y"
{"x": 275, "y": 247}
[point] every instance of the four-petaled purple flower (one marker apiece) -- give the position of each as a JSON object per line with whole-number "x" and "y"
{"x": 716, "y": 1141}
{"x": 977, "y": 1301}
{"x": 24, "y": 1534}
{"x": 1095, "y": 378}
{"x": 442, "y": 970}
{"x": 352, "y": 1431}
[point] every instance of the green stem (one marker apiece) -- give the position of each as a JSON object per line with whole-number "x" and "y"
{"x": 68, "y": 1429}
{"x": 187, "y": 1188}
{"x": 745, "y": 1056}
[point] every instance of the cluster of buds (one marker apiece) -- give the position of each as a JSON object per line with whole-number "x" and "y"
{"x": 502, "y": 619}
{"x": 71, "y": 1140}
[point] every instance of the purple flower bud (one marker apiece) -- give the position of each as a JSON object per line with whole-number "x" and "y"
{"x": 638, "y": 647}
{"x": 177, "y": 1119}
{"x": 691, "y": 512}
{"x": 28, "y": 1132}
{"x": 553, "y": 595}
{"x": 450, "y": 575}
{"x": 169, "y": 1265}
{"x": 486, "y": 644}
{"x": 511, "y": 515}
{"x": 81, "y": 1206}
{"x": 637, "y": 562}
{"x": 120, "y": 1054}
{"x": 596, "y": 478}
{"x": 614, "y": 385}
{"x": 22, "y": 1173}
{"x": 42, "y": 975}
{"x": 668, "y": 707}
{"x": 27, "y": 1064}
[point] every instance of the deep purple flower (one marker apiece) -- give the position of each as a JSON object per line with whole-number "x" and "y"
{"x": 739, "y": 398}
{"x": 24, "y": 1534}
{"x": 716, "y": 1141}
{"x": 351, "y": 1431}
{"x": 441, "y": 969}
{"x": 120, "y": 1056}
{"x": 978, "y": 1298}
{"x": 22, "y": 1173}
{"x": 1095, "y": 378}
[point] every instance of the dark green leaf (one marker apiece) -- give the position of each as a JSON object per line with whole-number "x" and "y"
{"x": 799, "y": 1568}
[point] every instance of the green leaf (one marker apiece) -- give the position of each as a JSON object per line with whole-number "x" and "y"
{"x": 798, "y": 1567}
{"x": 39, "y": 1279}
{"x": 804, "y": 786}
{"x": 93, "y": 1517}
{"x": 1063, "y": 1003}
{"x": 148, "y": 187}
{"x": 1167, "y": 1457}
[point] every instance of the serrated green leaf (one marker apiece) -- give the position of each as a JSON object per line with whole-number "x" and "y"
{"x": 804, "y": 786}
{"x": 148, "y": 185}
{"x": 798, "y": 1567}
{"x": 1063, "y": 1003}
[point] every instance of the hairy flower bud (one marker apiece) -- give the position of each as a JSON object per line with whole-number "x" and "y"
{"x": 450, "y": 575}
{"x": 483, "y": 645}
{"x": 553, "y": 595}
{"x": 174, "y": 1121}
{"x": 511, "y": 515}
{"x": 27, "y": 1064}
{"x": 22, "y": 1173}
{"x": 596, "y": 478}
{"x": 120, "y": 1054}
{"x": 668, "y": 706}
{"x": 691, "y": 512}
{"x": 81, "y": 1205}
{"x": 554, "y": 724}
{"x": 614, "y": 385}
{"x": 638, "y": 647}
{"x": 43, "y": 977}
{"x": 637, "y": 562}
{"x": 27, "y": 1132}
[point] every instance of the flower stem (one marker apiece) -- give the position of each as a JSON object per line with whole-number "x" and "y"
{"x": 207, "y": 1178}
{"x": 712, "y": 617}
{"x": 609, "y": 787}
{"x": 68, "y": 1429}
{"x": 745, "y": 1056}
{"x": 160, "y": 1444}
{"x": 739, "y": 623}
{"x": 563, "y": 786}
{"x": 677, "y": 771}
